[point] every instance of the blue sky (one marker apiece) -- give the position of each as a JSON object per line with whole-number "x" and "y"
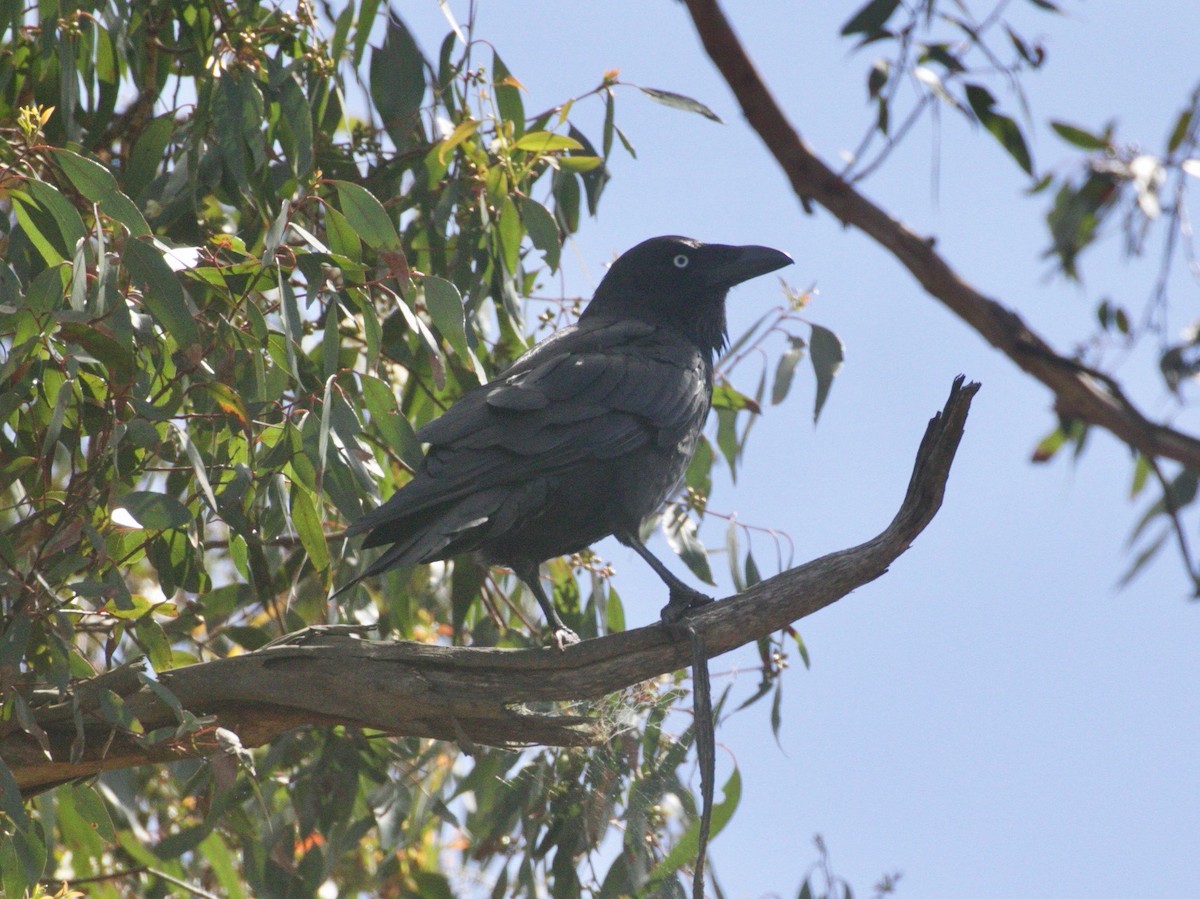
{"x": 993, "y": 718}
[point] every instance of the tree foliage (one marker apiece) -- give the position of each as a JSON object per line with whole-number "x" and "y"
{"x": 247, "y": 253}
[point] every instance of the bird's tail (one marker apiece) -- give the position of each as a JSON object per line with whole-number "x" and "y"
{"x": 427, "y": 537}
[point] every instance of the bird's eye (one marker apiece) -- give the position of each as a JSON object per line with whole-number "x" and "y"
{"x": 681, "y": 261}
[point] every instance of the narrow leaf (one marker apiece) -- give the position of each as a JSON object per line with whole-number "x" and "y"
{"x": 785, "y": 369}
{"x": 367, "y": 216}
{"x": 155, "y": 511}
{"x": 679, "y": 101}
{"x": 870, "y": 18}
{"x": 98, "y": 185}
{"x": 162, "y": 293}
{"x": 546, "y": 142}
{"x": 309, "y": 528}
{"x": 543, "y": 230}
{"x": 827, "y": 354}
{"x": 1076, "y": 136}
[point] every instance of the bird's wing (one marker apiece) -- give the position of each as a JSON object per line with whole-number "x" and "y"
{"x": 596, "y": 392}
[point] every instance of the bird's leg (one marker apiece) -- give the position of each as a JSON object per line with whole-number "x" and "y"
{"x": 682, "y": 597}
{"x": 562, "y": 635}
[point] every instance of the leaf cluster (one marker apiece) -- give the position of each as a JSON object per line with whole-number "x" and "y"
{"x": 247, "y": 256}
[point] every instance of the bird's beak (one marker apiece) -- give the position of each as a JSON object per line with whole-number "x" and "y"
{"x": 733, "y": 265}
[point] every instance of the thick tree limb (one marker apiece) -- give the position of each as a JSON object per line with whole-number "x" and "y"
{"x": 1079, "y": 392}
{"x": 487, "y": 696}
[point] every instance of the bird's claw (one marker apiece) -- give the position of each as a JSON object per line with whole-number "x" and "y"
{"x": 564, "y": 637}
{"x": 682, "y": 602}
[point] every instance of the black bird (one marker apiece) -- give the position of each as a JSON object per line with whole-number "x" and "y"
{"x": 585, "y": 435}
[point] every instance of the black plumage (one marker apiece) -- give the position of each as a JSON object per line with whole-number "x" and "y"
{"x": 585, "y": 435}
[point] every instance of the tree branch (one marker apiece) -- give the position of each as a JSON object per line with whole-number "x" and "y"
{"x": 484, "y": 696}
{"x": 1079, "y": 391}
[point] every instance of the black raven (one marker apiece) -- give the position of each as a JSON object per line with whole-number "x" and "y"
{"x": 585, "y": 435}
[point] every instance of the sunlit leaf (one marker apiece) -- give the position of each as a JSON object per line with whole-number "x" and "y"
{"x": 97, "y": 183}
{"x": 309, "y": 528}
{"x": 162, "y": 293}
{"x": 155, "y": 511}
{"x": 681, "y": 537}
{"x": 367, "y": 216}
{"x": 546, "y": 142}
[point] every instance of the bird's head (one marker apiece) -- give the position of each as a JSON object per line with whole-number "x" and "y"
{"x": 681, "y": 283}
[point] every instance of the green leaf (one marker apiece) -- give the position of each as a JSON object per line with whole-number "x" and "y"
{"x": 1078, "y": 137}
{"x": 727, "y": 441}
{"x": 699, "y": 470}
{"x": 153, "y": 639}
{"x": 580, "y": 163}
{"x": 1180, "y": 131}
{"x": 543, "y": 230}
{"x": 10, "y": 799}
{"x": 1141, "y": 474}
{"x": 214, "y": 850}
{"x": 97, "y": 184}
{"x": 162, "y": 293}
{"x": 681, "y": 537}
{"x": 237, "y": 108}
{"x": 827, "y": 355}
{"x": 13, "y": 879}
{"x": 726, "y": 396}
{"x": 685, "y": 850}
{"x": 93, "y": 810}
{"x": 147, "y": 154}
{"x": 128, "y": 608}
{"x": 679, "y": 101}
{"x": 343, "y": 239}
{"x": 566, "y": 201}
{"x": 445, "y": 306}
{"x": 785, "y": 369}
{"x": 121, "y": 364}
{"x": 1002, "y": 127}
{"x": 508, "y": 233}
{"x": 49, "y": 221}
{"x": 114, "y": 710}
{"x": 197, "y": 461}
{"x": 155, "y": 511}
{"x": 871, "y": 18}
{"x": 309, "y": 528}
{"x": 398, "y": 84}
{"x": 393, "y": 427}
{"x": 752, "y": 573}
{"x": 731, "y": 555}
{"x": 546, "y": 142}
{"x": 508, "y": 95}
{"x": 1143, "y": 558}
{"x": 367, "y": 216}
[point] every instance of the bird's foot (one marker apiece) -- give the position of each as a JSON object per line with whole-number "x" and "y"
{"x": 563, "y": 637}
{"x": 682, "y": 601}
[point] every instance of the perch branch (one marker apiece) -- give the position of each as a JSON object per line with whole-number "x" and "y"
{"x": 471, "y": 695}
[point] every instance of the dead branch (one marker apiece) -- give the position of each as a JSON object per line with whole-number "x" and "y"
{"x": 471, "y": 695}
{"x": 1079, "y": 391}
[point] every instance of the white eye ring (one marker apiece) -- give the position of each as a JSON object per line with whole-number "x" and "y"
{"x": 681, "y": 261}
